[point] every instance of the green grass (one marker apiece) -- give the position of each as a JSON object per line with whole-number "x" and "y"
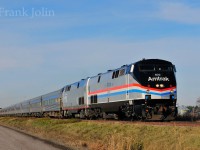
{"x": 109, "y": 135}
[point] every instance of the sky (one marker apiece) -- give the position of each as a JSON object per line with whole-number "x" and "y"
{"x": 45, "y": 45}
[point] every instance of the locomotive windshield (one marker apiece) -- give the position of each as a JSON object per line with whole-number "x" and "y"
{"x": 155, "y": 68}
{"x": 152, "y": 72}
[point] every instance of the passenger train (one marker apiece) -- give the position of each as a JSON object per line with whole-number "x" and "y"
{"x": 144, "y": 90}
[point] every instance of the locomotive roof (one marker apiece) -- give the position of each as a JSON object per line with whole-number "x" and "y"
{"x": 143, "y": 61}
{"x": 153, "y": 61}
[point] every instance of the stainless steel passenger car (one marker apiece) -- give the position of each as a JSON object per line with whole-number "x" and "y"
{"x": 52, "y": 103}
{"x": 36, "y": 106}
{"x": 25, "y": 108}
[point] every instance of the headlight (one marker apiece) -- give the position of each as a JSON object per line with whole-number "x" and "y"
{"x": 162, "y": 85}
{"x": 157, "y": 85}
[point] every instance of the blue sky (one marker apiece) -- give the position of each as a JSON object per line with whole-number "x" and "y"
{"x": 41, "y": 53}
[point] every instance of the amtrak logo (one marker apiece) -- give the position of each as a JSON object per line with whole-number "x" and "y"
{"x": 166, "y": 79}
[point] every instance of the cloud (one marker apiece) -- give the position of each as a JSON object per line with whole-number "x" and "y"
{"x": 17, "y": 57}
{"x": 98, "y": 49}
{"x": 179, "y": 12}
{"x": 7, "y": 63}
{"x": 19, "y": 62}
{"x": 17, "y": 53}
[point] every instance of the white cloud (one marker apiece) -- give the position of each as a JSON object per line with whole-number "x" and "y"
{"x": 16, "y": 57}
{"x": 96, "y": 49}
{"x": 16, "y": 52}
{"x": 7, "y": 63}
{"x": 179, "y": 12}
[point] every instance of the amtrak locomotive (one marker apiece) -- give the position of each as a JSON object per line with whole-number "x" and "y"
{"x": 142, "y": 90}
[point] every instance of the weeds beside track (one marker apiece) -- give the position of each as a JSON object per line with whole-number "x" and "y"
{"x": 109, "y": 135}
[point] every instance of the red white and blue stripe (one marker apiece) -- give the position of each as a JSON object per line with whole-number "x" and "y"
{"x": 131, "y": 88}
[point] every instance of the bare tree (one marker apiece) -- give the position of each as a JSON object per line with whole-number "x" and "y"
{"x": 198, "y": 102}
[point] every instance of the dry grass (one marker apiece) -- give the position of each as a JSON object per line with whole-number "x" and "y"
{"x": 109, "y": 136}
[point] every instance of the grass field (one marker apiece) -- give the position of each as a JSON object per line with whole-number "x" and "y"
{"x": 108, "y": 135}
